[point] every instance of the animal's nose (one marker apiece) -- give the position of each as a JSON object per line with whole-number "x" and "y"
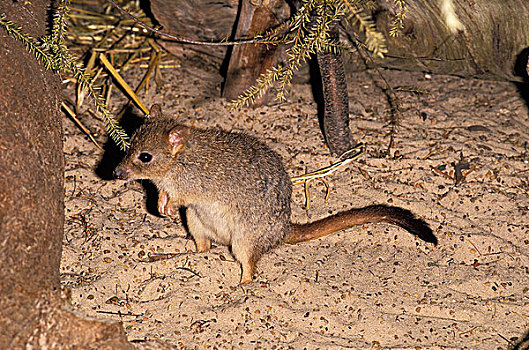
{"x": 121, "y": 173}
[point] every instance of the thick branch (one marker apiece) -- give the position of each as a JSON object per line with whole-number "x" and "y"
{"x": 336, "y": 110}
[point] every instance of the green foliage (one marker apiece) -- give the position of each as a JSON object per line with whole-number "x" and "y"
{"x": 29, "y": 42}
{"x": 304, "y": 34}
{"x": 374, "y": 40}
{"x": 54, "y": 54}
{"x": 398, "y": 21}
{"x": 308, "y": 31}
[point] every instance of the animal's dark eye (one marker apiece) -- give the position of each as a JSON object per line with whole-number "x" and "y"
{"x": 145, "y": 157}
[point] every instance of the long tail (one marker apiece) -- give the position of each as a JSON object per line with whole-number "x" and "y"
{"x": 358, "y": 216}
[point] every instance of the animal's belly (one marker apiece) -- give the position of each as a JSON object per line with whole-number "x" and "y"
{"x": 220, "y": 220}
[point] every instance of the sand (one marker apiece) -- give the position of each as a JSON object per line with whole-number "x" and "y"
{"x": 369, "y": 287}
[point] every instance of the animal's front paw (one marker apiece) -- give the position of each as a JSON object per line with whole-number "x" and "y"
{"x": 171, "y": 210}
{"x": 166, "y": 207}
{"x": 163, "y": 198}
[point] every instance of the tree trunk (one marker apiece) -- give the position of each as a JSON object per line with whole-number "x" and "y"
{"x": 248, "y": 62}
{"x": 490, "y": 42}
{"x": 336, "y": 101}
{"x": 199, "y": 20}
{"x": 32, "y": 310}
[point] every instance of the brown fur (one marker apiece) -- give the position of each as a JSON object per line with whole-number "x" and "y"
{"x": 235, "y": 189}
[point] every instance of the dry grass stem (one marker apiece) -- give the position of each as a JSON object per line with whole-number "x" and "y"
{"x": 346, "y": 158}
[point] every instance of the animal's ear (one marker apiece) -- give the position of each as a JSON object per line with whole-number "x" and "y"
{"x": 156, "y": 111}
{"x": 178, "y": 136}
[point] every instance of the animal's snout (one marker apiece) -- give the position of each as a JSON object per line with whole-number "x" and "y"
{"x": 121, "y": 173}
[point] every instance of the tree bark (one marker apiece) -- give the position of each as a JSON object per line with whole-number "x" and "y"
{"x": 336, "y": 101}
{"x": 491, "y": 41}
{"x": 248, "y": 62}
{"x": 199, "y": 20}
{"x": 33, "y": 310}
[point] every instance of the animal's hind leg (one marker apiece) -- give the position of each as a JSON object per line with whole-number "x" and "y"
{"x": 247, "y": 256}
{"x": 201, "y": 234}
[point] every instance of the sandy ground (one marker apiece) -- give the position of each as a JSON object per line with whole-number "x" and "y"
{"x": 372, "y": 286}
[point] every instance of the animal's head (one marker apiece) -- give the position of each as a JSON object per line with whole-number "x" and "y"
{"x": 154, "y": 148}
